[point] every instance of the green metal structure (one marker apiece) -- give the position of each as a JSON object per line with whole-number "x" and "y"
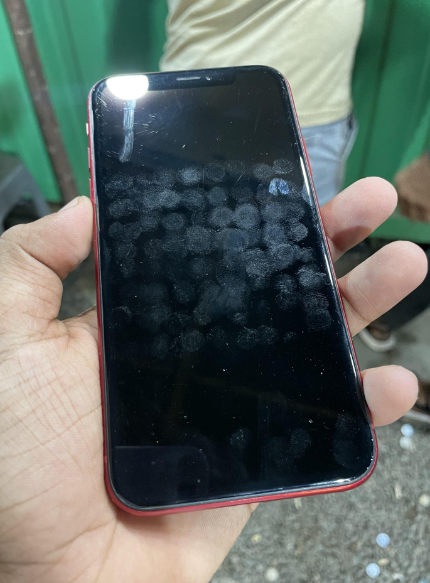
{"x": 82, "y": 41}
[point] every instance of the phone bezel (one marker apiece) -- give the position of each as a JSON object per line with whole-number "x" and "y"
{"x": 325, "y": 488}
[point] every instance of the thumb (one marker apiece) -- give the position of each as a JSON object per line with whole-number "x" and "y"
{"x": 34, "y": 258}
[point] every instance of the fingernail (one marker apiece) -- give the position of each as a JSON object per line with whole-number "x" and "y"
{"x": 70, "y": 204}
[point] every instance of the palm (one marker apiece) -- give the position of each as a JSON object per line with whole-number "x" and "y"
{"x": 60, "y": 430}
{"x": 57, "y": 522}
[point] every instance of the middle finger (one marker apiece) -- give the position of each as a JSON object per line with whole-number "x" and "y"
{"x": 356, "y": 212}
{"x": 380, "y": 282}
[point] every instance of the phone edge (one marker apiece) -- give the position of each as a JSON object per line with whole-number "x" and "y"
{"x": 219, "y": 504}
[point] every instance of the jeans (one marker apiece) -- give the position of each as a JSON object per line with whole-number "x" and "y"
{"x": 328, "y": 148}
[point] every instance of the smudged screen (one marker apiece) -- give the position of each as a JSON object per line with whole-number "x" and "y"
{"x": 227, "y": 363}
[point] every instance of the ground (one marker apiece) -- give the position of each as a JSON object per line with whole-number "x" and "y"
{"x": 331, "y": 538}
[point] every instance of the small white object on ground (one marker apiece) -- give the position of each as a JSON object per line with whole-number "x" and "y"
{"x": 297, "y": 503}
{"x": 373, "y": 570}
{"x": 383, "y": 540}
{"x": 406, "y": 442}
{"x": 398, "y": 491}
{"x": 383, "y": 562}
{"x": 407, "y": 430}
{"x": 424, "y": 500}
{"x": 271, "y": 574}
{"x": 256, "y": 538}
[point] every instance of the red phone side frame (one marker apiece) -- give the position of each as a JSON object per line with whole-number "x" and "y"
{"x": 247, "y": 500}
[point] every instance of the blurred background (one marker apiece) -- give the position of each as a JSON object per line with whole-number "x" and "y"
{"x": 51, "y": 54}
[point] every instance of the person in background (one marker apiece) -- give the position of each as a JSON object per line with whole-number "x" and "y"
{"x": 311, "y": 42}
{"x": 413, "y": 187}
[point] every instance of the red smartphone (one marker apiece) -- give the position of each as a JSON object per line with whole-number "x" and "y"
{"x": 227, "y": 369}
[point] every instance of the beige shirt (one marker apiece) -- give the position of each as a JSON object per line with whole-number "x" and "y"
{"x": 312, "y": 42}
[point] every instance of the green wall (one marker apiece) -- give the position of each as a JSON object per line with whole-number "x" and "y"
{"x": 19, "y": 130}
{"x": 82, "y": 41}
{"x": 391, "y": 88}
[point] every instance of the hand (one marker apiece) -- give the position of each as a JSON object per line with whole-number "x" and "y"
{"x": 57, "y": 524}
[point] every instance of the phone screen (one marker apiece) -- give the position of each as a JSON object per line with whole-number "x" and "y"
{"x": 228, "y": 367}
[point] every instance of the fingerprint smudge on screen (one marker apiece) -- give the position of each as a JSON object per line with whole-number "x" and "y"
{"x": 293, "y": 211}
{"x": 153, "y": 294}
{"x": 192, "y": 341}
{"x": 218, "y": 243}
{"x": 190, "y": 175}
{"x": 201, "y": 268}
{"x": 194, "y": 199}
{"x": 165, "y": 177}
{"x": 289, "y": 336}
{"x": 247, "y": 339}
{"x": 274, "y": 234}
{"x": 298, "y": 232}
{"x": 119, "y": 185}
{"x": 124, "y": 232}
{"x": 221, "y": 216}
{"x": 169, "y": 198}
{"x": 246, "y": 216}
{"x": 174, "y": 245}
{"x": 178, "y": 322}
{"x": 317, "y": 315}
{"x": 217, "y": 196}
{"x": 307, "y": 255}
{"x": 314, "y": 301}
{"x": 153, "y": 248}
{"x": 236, "y": 168}
{"x": 282, "y": 256}
{"x": 239, "y": 318}
{"x": 199, "y": 240}
{"x": 232, "y": 240}
{"x": 242, "y": 193}
{"x": 319, "y": 320}
{"x": 154, "y": 316}
{"x": 287, "y": 287}
{"x": 124, "y": 251}
{"x": 267, "y": 335}
{"x": 233, "y": 296}
{"x": 173, "y": 222}
{"x": 207, "y": 306}
{"x": 149, "y": 221}
{"x": 256, "y": 263}
{"x": 283, "y": 166}
{"x": 214, "y": 172}
{"x": 184, "y": 292}
{"x": 309, "y": 278}
{"x": 122, "y": 209}
{"x": 160, "y": 346}
{"x": 263, "y": 172}
{"x": 274, "y": 212}
{"x": 154, "y": 199}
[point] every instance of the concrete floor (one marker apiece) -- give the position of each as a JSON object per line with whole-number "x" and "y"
{"x": 331, "y": 538}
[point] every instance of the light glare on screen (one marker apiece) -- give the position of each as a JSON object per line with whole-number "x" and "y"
{"x": 128, "y": 87}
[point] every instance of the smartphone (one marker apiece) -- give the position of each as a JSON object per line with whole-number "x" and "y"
{"x": 227, "y": 369}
